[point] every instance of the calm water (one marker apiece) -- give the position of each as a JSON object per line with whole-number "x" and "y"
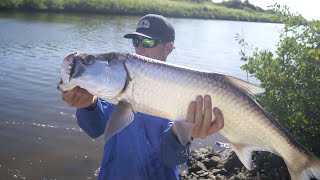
{"x": 39, "y": 135}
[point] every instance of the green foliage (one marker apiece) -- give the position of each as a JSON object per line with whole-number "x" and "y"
{"x": 196, "y": 1}
{"x": 291, "y": 77}
{"x": 55, "y": 4}
{"x": 34, "y": 4}
{"x": 171, "y": 8}
{"x": 10, "y": 4}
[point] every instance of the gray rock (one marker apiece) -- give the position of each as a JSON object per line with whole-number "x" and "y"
{"x": 207, "y": 164}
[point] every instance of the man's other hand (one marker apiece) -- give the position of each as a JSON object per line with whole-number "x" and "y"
{"x": 79, "y": 98}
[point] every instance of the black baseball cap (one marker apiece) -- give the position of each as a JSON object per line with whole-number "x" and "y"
{"x": 154, "y": 26}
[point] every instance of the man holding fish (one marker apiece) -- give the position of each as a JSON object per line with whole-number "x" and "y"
{"x": 150, "y": 147}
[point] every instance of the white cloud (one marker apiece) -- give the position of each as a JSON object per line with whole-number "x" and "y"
{"x": 309, "y": 9}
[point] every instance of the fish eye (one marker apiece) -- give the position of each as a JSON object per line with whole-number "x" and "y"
{"x": 89, "y": 59}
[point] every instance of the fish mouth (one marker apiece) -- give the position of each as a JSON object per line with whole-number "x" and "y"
{"x": 67, "y": 68}
{"x": 72, "y": 65}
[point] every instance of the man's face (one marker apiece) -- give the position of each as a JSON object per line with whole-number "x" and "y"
{"x": 159, "y": 52}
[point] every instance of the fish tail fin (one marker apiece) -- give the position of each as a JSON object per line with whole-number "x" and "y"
{"x": 311, "y": 171}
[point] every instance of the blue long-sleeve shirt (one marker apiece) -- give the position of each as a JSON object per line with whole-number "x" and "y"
{"x": 145, "y": 149}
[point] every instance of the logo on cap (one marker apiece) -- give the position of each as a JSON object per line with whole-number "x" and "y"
{"x": 144, "y": 24}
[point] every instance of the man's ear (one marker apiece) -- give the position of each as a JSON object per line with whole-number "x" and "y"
{"x": 169, "y": 47}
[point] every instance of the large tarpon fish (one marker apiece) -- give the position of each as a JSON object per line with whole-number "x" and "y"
{"x": 137, "y": 83}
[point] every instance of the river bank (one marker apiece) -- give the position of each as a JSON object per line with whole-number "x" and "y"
{"x": 168, "y": 8}
{"x": 205, "y": 163}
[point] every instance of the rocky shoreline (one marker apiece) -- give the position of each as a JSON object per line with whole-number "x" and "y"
{"x": 205, "y": 163}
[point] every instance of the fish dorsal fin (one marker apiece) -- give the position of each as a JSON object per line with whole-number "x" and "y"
{"x": 244, "y": 85}
{"x": 120, "y": 118}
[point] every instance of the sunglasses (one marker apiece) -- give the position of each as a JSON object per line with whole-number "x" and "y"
{"x": 145, "y": 42}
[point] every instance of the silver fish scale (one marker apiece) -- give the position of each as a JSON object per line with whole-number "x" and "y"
{"x": 166, "y": 91}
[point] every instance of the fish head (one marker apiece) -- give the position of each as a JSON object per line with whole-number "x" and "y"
{"x": 103, "y": 75}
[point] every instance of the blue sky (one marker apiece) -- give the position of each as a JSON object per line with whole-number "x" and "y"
{"x": 309, "y": 9}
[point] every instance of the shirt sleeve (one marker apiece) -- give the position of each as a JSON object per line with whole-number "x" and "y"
{"x": 93, "y": 122}
{"x": 172, "y": 151}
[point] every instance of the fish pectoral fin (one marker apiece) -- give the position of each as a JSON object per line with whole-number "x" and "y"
{"x": 184, "y": 131}
{"x": 246, "y": 86}
{"x": 120, "y": 118}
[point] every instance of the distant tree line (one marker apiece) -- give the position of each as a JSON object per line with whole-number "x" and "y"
{"x": 238, "y": 4}
{"x": 204, "y": 9}
{"x": 234, "y": 4}
{"x": 197, "y": 1}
